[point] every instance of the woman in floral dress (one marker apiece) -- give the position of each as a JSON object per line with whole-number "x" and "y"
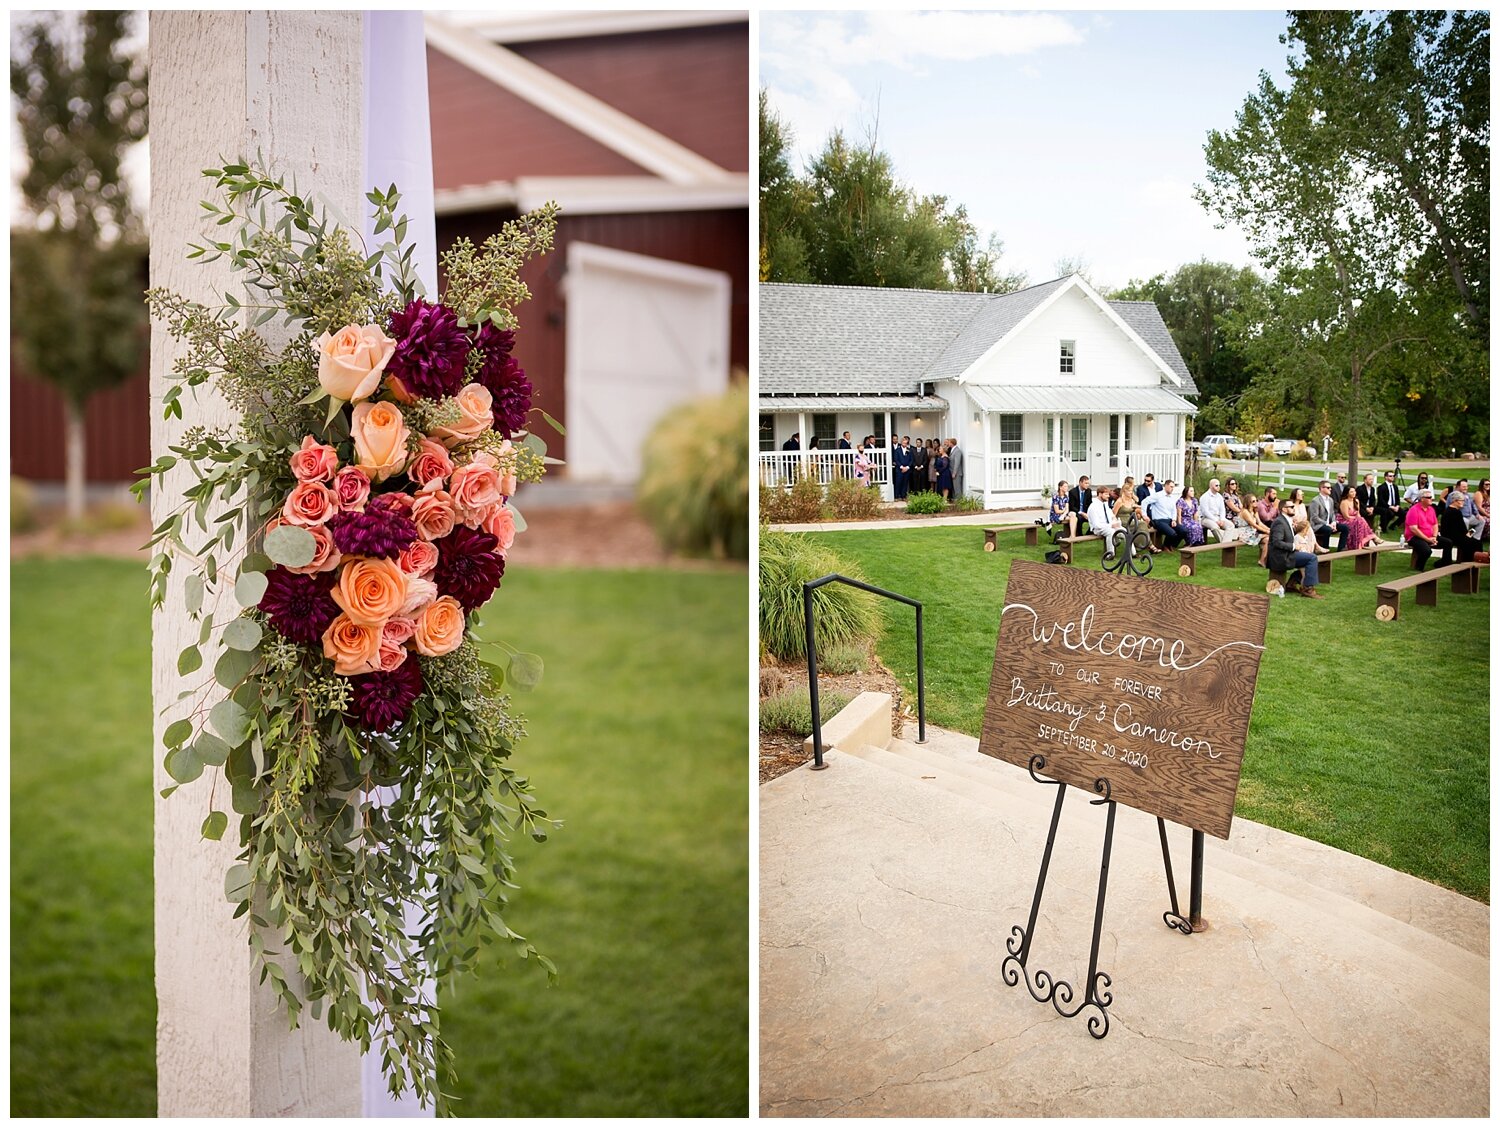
{"x": 1187, "y": 516}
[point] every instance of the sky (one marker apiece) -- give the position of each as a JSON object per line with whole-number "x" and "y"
{"x": 1070, "y": 135}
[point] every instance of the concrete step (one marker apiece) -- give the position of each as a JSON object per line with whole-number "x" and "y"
{"x": 1406, "y": 912}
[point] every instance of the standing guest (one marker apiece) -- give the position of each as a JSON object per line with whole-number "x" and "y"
{"x": 1354, "y": 530}
{"x": 844, "y": 443}
{"x": 1080, "y": 497}
{"x": 1340, "y": 488}
{"x": 1284, "y": 556}
{"x": 1266, "y": 511}
{"x": 1102, "y": 520}
{"x": 1187, "y": 516}
{"x": 901, "y": 468}
{"x": 1161, "y": 511}
{"x": 1388, "y": 502}
{"x": 1214, "y": 515}
{"x": 1364, "y": 494}
{"x": 918, "y": 477}
{"x": 792, "y": 443}
{"x": 932, "y": 467}
{"x": 1422, "y": 532}
{"x": 861, "y": 465}
{"x": 1323, "y": 514}
{"x": 1147, "y": 487}
{"x": 943, "y": 481}
{"x": 956, "y": 461}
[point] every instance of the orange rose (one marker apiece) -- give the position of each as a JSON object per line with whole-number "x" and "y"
{"x": 432, "y": 463}
{"x": 440, "y": 627}
{"x": 380, "y": 436}
{"x": 351, "y": 361}
{"x": 354, "y": 648}
{"x": 432, "y": 513}
{"x": 370, "y": 591}
{"x": 475, "y": 416}
{"x": 314, "y": 462}
{"x": 500, "y": 523}
{"x": 475, "y": 488}
{"x": 309, "y": 503}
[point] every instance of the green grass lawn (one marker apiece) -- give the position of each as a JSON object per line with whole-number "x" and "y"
{"x": 637, "y": 740}
{"x": 1372, "y": 737}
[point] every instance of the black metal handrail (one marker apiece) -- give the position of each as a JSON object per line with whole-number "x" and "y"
{"x": 812, "y": 658}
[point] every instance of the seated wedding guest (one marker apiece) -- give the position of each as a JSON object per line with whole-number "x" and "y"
{"x": 1126, "y": 504}
{"x": 1453, "y": 536}
{"x": 1364, "y": 494}
{"x": 1422, "y": 532}
{"x": 1355, "y": 531}
{"x": 1322, "y": 514}
{"x": 1340, "y": 488}
{"x": 1284, "y": 556}
{"x": 1414, "y": 490}
{"x": 1102, "y": 521}
{"x": 1187, "y": 516}
{"x": 1215, "y": 515}
{"x": 1058, "y": 517}
{"x": 1302, "y": 524}
{"x": 1161, "y": 511}
{"x": 1266, "y": 511}
{"x": 1080, "y": 497}
{"x": 1388, "y": 502}
{"x": 1148, "y": 486}
{"x": 1479, "y": 515}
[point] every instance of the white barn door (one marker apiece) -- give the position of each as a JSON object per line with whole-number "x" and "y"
{"x": 643, "y": 335}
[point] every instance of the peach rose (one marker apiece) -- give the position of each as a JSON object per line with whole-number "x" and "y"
{"x": 370, "y": 591}
{"x": 351, "y": 486}
{"x": 500, "y": 523}
{"x": 432, "y": 512}
{"x": 326, "y": 554}
{"x": 380, "y": 436}
{"x": 351, "y": 361}
{"x": 475, "y": 416}
{"x": 315, "y": 462}
{"x": 393, "y": 638}
{"x": 418, "y": 558}
{"x": 309, "y": 503}
{"x": 420, "y": 591}
{"x": 398, "y": 391}
{"x": 507, "y": 481}
{"x": 475, "y": 488}
{"x": 440, "y": 628}
{"x": 354, "y": 647}
{"x": 431, "y": 464}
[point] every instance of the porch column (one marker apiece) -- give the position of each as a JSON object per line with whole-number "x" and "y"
{"x": 288, "y": 84}
{"x": 984, "y": 424}
{"x": 889, "y": 490}
{"x": 803, "y": 438}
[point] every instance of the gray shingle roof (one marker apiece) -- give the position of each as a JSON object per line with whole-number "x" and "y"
{"x": 827, "y": 340}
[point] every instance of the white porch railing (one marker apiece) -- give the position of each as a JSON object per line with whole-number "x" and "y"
{"x": 1029, "y": 475}
{"x": 780, "y": 468}
{"x": 1162, "y": 464}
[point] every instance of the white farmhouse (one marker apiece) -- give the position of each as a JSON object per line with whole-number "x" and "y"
{"x": 1046, "y": 383}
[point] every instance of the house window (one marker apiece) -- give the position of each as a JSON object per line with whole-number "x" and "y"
{"x": 1128, "y": 443}
{"x": 1010, "y": 440}
{"x": 1065, "y": 358}
{"x": 1079, "y": 445}
{"x": 877, "y": 428}
{"x": 767, "y": 432}
{"x": 826, "y": 431}
{"x": 1050, "y": 439}
{"x": 1114, "y": 441}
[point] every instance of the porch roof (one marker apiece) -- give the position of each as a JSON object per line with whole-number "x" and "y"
{"x": 852, "y": 403}
{"x": 1054, "y": 400}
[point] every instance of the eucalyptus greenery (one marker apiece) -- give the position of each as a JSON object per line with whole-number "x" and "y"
{"x": 343, "y": 832}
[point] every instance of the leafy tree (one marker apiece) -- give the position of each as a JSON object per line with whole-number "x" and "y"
{"x": 783, "y": 203}
{"x": 1352, "y": 308}
{"x": 78, "y": 319}
{"x": 972, "y": 269}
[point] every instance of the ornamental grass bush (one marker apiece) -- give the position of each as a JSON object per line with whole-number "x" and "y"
{"x": 790, "y": 711}
{"x": 1301, "y": 452}
{"x": 847, "y": 499}
{"x": 844, "y": 616}
{"x": 849, "y": 658}
{"x": 926, "y": 502}
{"x": 695, "y": 477}
{"x": 969, "y": 504}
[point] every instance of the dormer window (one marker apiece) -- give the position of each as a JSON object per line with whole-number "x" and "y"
{"x": 1065, "y": 358}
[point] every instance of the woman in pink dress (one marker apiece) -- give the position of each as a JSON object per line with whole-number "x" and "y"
{"x": 1358, "y": 532}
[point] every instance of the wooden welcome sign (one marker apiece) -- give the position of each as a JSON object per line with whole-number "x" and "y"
{"x": 1144, "y": 682}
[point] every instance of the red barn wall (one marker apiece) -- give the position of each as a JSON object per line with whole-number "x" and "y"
{"x": 118, "y": 423}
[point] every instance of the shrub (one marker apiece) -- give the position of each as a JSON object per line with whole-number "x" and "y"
{"x": 1222, "y": 452}
{"x": 848, "y": 499}
{"x": 772, "y": 505}
{"x": 804, "y": 502}
{"x": 695, "y": 476}
{"x": 1301, "y": 452}
{"x": 926, "y": 502}
{"x": 971, "y": 504}
{"x": 850, "y": 658}
{"x": 792, "y": 712}
{"x": 843, "y": 615}
{"x": 23, "y": 517}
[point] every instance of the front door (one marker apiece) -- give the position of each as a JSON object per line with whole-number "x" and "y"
{"x": 1076, "y": 447}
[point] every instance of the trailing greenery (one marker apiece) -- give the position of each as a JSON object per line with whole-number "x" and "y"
{"x": 925, "y": 501}
{"x": 791, "y": 712}
{"x": 842, "y": 615}
{"x": 695, "y": 476}
{"x": 1356, "y": 781}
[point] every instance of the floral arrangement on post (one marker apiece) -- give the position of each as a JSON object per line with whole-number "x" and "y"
{"x": 363, "y": 519}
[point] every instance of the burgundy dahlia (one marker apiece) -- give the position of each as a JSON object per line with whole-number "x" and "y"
{"x": 383, "y": 529}
{"x": 299, "y": 606}
{"x": 380, "y": 700}
{"x": 430, "y": 350}
{"x": 468, "y": 567}
{"x": 504, "y": 378}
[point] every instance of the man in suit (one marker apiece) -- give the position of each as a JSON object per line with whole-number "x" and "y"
{"x": 1364, "y": 496}
{"x": 1388, "y": 502}
{"x": 1320, "y": 515}
{"x": 919, "y": 467}
{"x": 1080, "y": 497}
{"x": 793, "y": 443}
{"x": 1147, "y": 487}
{"x": 901, "y": 468}
{"x": 844, "y": 443}
{"x": 1283, "y": 556}
{"x": 1339, "y": 489}
{"x": 956, "y": 467}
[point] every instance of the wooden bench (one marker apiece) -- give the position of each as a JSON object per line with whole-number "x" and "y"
{"x": 1465, "y": 579}
{"x": 1364, "y": 559}
{"x": 991, "y": 535}
{"x": 1189, "y": 552}
{"x": 1067, "y": 543}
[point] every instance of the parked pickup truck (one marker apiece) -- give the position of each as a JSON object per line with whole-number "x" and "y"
{"x": 1210, "y": 445}
{"x": 1270, "y": 444}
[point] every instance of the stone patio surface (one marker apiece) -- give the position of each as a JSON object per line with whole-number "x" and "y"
{"x": 1324, "y": 984}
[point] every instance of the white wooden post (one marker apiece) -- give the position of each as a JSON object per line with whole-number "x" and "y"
{"x": 289, "y": 86}
{"x": 803, "y": 440}
{"x": 984, "y": 474}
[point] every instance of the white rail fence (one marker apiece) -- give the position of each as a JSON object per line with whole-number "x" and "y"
{"x": 781, "y": 468}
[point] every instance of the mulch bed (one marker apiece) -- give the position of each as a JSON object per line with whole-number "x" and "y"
{"x": 781, "y": 752}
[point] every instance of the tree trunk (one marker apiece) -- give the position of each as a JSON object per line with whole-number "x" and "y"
{"x": 75, "y": 453}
